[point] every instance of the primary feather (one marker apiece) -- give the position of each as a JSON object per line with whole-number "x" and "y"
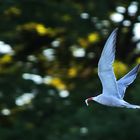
{"x": 125, "y": 81}
{"x": 105, "y": 70}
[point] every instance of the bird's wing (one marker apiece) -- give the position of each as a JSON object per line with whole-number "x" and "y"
{"x": 105, "y": 70}
{"x": 125, "y": 81}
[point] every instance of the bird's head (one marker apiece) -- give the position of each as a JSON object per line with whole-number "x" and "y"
{"x": 89, "y": 99}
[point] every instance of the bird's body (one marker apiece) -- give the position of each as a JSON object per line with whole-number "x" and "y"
{"x": 113, "y": 101}
{"x": 108, "y": 100}
{"x": 113, "y": 90}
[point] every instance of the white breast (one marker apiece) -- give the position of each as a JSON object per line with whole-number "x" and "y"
{"x": 108, "y": 100}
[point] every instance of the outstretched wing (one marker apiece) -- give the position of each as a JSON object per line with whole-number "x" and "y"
{"x": 105, "y": 70}
{"x": 125, "y": 81}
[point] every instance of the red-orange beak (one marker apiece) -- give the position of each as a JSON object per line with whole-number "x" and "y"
{"x": 87, "y": 100}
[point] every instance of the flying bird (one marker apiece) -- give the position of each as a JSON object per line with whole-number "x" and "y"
{"x": 113, "y": 90}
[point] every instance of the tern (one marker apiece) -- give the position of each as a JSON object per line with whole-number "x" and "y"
{"x": 113, "y": 90}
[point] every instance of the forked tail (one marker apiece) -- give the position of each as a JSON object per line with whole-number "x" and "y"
{"x": 133, "y": 106}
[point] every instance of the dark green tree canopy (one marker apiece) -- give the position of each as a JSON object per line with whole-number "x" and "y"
{"x": 49, "y": 51}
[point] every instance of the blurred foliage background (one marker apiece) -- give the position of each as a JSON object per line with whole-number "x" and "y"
{"x": 49, "y": 51}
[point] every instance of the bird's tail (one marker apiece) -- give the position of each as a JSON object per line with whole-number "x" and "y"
{"x": 133, "y": 106}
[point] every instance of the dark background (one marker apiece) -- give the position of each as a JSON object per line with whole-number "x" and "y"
{"x": 49, "y": 51}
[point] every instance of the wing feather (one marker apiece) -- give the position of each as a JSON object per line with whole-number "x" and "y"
{"x": 105, "y": 70}
{"x": 128, "y": 79}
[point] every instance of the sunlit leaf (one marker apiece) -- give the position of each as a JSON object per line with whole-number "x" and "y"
{"x": 120, "y": 68}
{"x": 93, "y": 37}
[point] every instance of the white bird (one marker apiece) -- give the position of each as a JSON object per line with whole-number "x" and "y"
{"x": 113, "y": 90}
